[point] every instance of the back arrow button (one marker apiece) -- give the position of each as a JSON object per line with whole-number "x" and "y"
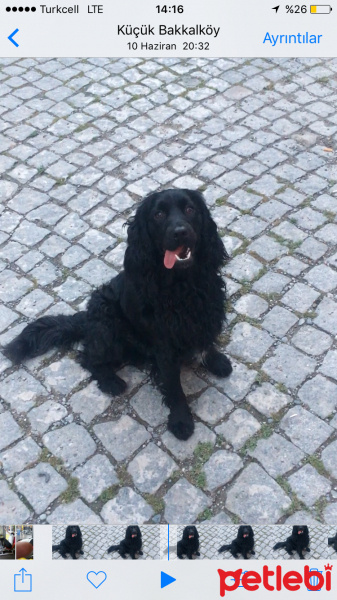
{"x": 11, "y": 36}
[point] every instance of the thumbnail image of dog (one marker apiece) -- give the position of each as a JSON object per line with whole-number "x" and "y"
{"x": 166, "y": 307}
{"x": 332, "y": 541}
{"x": 189, "y": 544}
{"x": 298, "y": 541}
{"x": 131, "y": 544}
{"x": 242, "y": 544}
{"x": 72, "y": 543}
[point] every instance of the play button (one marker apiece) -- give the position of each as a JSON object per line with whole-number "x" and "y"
{"x": 165, "y": 579}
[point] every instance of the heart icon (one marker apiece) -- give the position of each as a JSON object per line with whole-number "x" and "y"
{"x": 96, "y": 579}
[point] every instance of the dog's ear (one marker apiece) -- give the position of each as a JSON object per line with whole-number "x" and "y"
{"x": 139, "y": 532}
{"x": 212, "y": 248}
{"x": 196, "y": 533}
{"x": 295, "y": 528}
{"x": 68, "y": 532}
{"x": 140, "y": 248}
{"x": 240, "y": 531}
{"x": 251, "y": 530}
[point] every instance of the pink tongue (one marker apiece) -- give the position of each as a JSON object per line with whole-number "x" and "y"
{"x": 170, "y": 257}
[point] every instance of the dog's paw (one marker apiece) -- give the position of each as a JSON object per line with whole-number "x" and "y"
{"x": 181, "y": 425}
{"x": 218, "y": 364}
{"x": 114, "y": 385}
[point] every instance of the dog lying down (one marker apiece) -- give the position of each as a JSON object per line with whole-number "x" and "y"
{"x": 189, "y": 544}
{"x": 298, "y": 541}
{"x": 243, "y": 543}
{"x": 132, "y": 543}
{"x": 72, "y": 543}
{"x": 166, "y": 307}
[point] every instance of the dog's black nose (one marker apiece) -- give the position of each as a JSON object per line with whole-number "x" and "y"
{"x": 180, "y": 232}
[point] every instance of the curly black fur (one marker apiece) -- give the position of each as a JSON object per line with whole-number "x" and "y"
{"x": 332, "y": 541}
{"x": 160, "y": 309}
{"x": 72, "y": 543}
{"x": 298, "y": 541}
{"x": 189, "y": 544}
{"x": 132, "y": 543}
{"x": 243, "y": 543}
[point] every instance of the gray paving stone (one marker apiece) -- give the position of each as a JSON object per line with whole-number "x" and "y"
{"x": 72, "y": 444}
{"x": 7, "y": 317}
{"x": 271, "y": 283}
{"x": 182, "y": 450}
{"x": 300, "y": 297}
{"x": 151, "y": 468}
{"x": 251, "y": 305}
{"x": 34, "y": 303}
{"x": 291, "y": 265}
{"x": 279, "y": 320}
{"x": 244, "y": 267}
{"x": 96, "y": 475}
{"x": 184, "y": 502}
{"x": 268, "y": 400}
{"x": 41, "y": 485}
{"x": 312, "y": 248}
{"x": 221, "y": 468}
{"x": 263, "y": 502}
{"x": 304, "y": 429}
{"x": 12, "y": 287}
{"x": 248, "y": 226}
{"x": 267, "y": 248}
{"x": 122, "y": 437}
{"x": 277, "y": 455}
{"x": 237, "y": 384}
{"x": 320, "y": 395}
{"x": 308, "y": 485}
{"x": 72, "y": 289}
{"x": 89, "y": 402}
{"x": 46, "y": 414}
{"x": 148, "y": 404}
{"x": 12, "y": 510}
{"x": 21, "y": 390}
{"x": 322, "y": 277}
{"x": 329, "y": 364}
{"x": 212, "y": 406}
{"x": 279, "y": 366}
{"x": 327, "y": 316}
{"x": 20, "y": 456}
{"x": 74, "y": 512}
{"x": 10, "y": 430}
{"x": 312, "y": 340}
{"x": 126, "y": 507}
{"x": 238, "y": 428}
{"x": 62, "y": 376}
{"x": 248, "y": 342}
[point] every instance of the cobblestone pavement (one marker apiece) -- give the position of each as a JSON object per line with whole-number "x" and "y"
{"x": 97, "y": 539}
{"x": 82, "y": 141}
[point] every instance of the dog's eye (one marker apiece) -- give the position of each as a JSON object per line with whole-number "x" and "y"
{"x": 189, "y": 210}
{"x": 160, "y": 215}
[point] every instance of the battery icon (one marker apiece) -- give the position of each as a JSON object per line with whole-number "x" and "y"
{"x": 320, "y": 9}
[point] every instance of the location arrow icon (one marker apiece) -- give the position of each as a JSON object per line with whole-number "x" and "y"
{"x": 275, "y": 8}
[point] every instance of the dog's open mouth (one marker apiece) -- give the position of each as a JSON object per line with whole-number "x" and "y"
{"x": 190, "y": 536}
{"x": 134, "y": 535}
{"x": 181, "y": 254}
{"x": 246, "y": 535}
{"x": 74, "y": 535}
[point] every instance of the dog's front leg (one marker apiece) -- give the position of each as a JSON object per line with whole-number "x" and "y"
{"x": 180, "y": 421}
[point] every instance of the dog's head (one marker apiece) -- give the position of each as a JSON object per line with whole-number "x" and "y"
{"x": 190, "y": 533}
{"x": 300, "y": 531}
{"x": 173, "y": 228}
{"x": 133, "y": 533}
{"x": 245, "y": 532}
{"x": 73, "y": 532}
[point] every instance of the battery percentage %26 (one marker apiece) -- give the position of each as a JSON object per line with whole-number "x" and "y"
{"x": 296, "y": 8}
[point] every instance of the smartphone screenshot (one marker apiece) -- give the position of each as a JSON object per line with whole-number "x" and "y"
{"x": 168, "y": 299}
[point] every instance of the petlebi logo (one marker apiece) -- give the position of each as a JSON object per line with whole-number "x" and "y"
{"x": 275, "y": 579}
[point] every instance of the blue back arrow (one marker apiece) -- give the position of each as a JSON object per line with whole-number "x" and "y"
{"x": 165, "y": 579}
{"x": 11, "y": 36}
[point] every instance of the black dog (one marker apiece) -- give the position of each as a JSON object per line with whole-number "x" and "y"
{"x": 131, "y": 544}
{"x": 72, "y": 543}
{"x": 333, "y": 542}
{"x": 165, "y": 307}
{"x": 243, "y": 543}
{"x": 298, "y": 541}
{"x": 189, "y": 545}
